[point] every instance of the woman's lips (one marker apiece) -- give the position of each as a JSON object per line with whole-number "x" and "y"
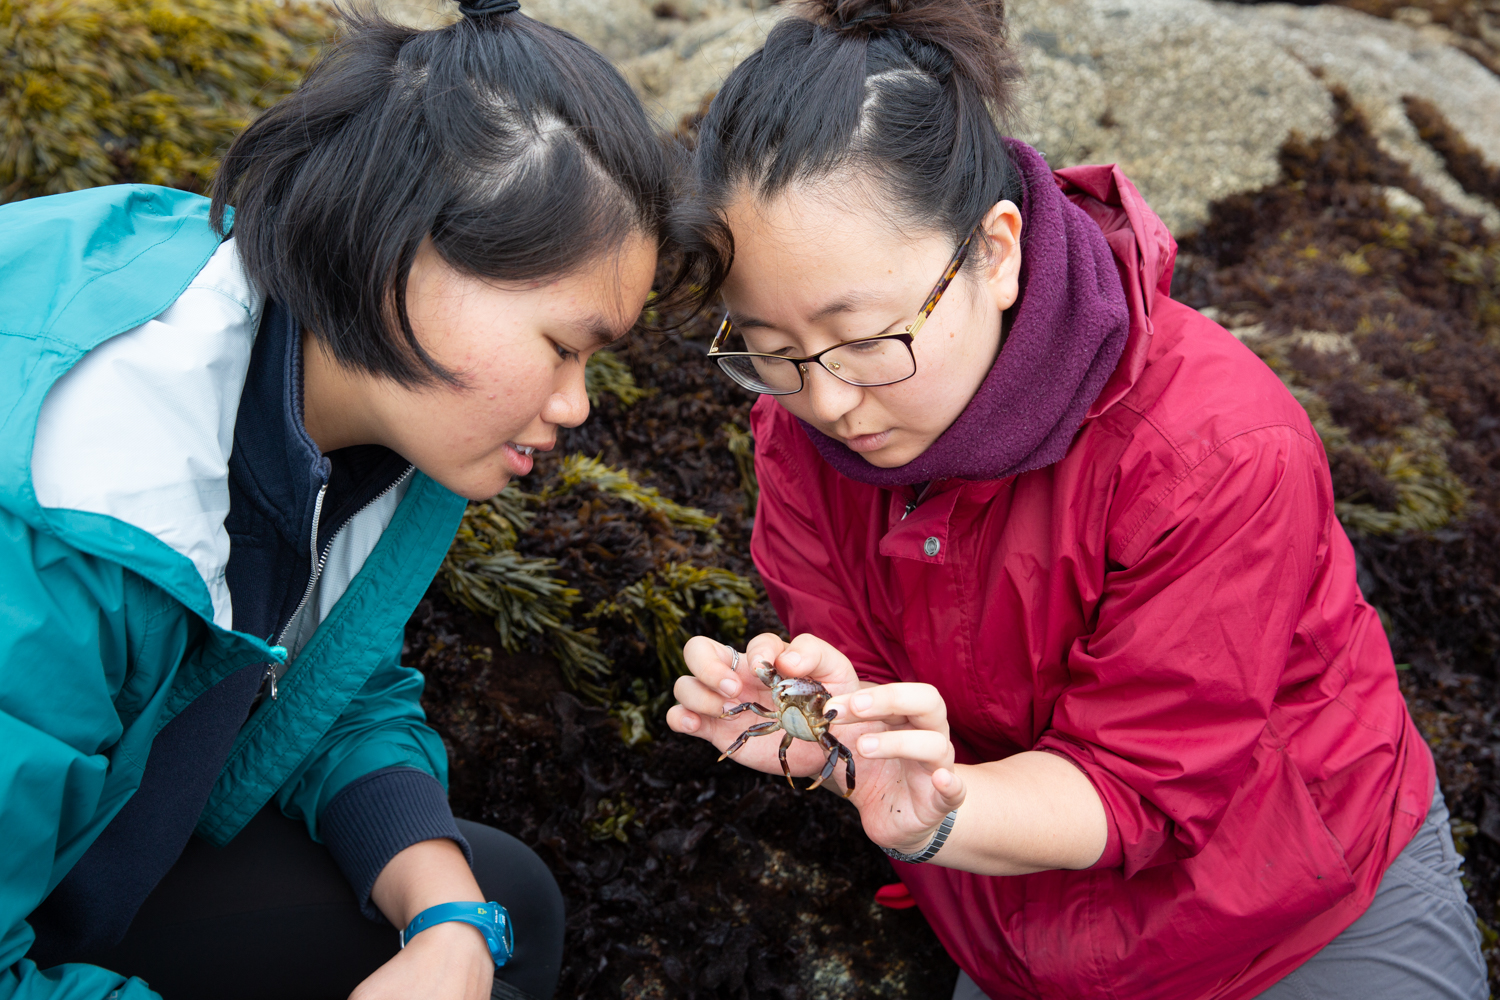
{"x": 518, "y": 457}
{"x": 868, "y": 442}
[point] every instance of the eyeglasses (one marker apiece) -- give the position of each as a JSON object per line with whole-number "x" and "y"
{"x": 882, "y": 360}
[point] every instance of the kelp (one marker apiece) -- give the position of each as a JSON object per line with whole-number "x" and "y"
{"x": 742, "y": 447}
{"x": 605, "y": 374}
{"x": 532, "y": 605}
{"x": 658, "y": 605}
{"x": 580, "y": 469}
{"x": 151, "y": 91}
{"x": 484, "y": 572}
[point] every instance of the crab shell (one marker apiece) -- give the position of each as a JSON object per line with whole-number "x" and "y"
{"x": 799, "y": 705}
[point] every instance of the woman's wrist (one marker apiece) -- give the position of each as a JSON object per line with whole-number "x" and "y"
{"x": 424, "y": 875}
{"x": 453, "y": 937}
{"x": 919, "y": 843}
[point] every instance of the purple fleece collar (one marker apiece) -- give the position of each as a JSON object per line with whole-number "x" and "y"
{"x": 1067, "y": 336}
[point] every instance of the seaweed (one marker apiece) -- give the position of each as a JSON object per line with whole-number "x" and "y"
{"x": 580, "y": 469}
{"x": 657, "y": 605}
{"x": 683, "y": 878}
{"x": 116, "y": 91}
{"x": 606, "y": 373}
{"x": 1464, "y": 161}
{"x": 484, "y": 572}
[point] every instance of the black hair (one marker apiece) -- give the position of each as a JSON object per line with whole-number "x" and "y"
{"x": 905, "y": 92}
{"x": 520, "y": 151}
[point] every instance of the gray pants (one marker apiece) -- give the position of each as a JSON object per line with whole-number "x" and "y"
{"x": 1417, "y": 939}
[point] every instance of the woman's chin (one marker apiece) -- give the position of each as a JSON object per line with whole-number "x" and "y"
{"x": 892, "y": 456}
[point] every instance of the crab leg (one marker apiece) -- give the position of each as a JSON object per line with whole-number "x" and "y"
{"x": 786, "y": 741}
{"x": 833, "y": 756}
{"x": 750, "y": 706}
{"x": 759, "y": 729}
{"x": 848, "y": 767}
{"x": 835, "y": 751}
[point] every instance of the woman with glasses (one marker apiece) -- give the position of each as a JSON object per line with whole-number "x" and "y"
{"x": 1063, "y": 551}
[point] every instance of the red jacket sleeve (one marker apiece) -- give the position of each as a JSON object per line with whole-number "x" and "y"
{"x": 811, "y": 590}
{"x": 1169, "y": 694}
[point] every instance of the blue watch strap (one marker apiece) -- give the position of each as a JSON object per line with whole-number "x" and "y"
{"x": 492, "y": 919}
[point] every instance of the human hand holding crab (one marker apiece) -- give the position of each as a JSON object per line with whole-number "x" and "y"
{"x": 904, "y": 760}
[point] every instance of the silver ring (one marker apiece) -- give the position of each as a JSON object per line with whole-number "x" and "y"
{"x": 734, "y": 666}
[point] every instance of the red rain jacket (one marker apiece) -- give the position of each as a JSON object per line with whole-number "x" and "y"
{"x": 1173, "y": 608}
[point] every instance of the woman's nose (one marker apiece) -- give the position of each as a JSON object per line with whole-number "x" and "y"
{"x": 828, "y": 397}
{"x": 568, "y": 406}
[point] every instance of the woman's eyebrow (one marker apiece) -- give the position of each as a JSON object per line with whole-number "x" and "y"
{"x": 600, "y": 333}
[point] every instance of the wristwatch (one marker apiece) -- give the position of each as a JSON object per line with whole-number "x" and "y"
{"x": 492, "y": 919}
{"x": 936, "y": 844}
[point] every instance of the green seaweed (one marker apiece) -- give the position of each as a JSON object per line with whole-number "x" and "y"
{"x": 659, "y": 604}
{"x": 742, "y": 447}
{"x": 108, "y": 91}
{"x": 484, "y": 572}
{"x": 612, "y": 820}
{"x": 607, "y": 374}
{"x": 579, "y": 470}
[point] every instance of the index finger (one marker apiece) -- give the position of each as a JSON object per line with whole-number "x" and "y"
{"x": 721, "y": 667}
{"x": 920, "y": 706}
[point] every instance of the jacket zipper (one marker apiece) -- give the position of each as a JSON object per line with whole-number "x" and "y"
{"x": 275, "y": 670}
{"x": 911, "y": 504}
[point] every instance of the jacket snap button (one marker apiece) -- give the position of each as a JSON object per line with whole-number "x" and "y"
{"x": 931, "y": 546}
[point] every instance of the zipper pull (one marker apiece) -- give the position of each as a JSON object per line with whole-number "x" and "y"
{"x": 271, "y": 669}
{"x": 911, "y": 505}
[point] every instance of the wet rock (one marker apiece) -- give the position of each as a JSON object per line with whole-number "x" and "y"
{"x": 674, "y": 81}
{"x": 618, "y": 28}
{"x": 1378, "y": 63}
{"x": 1192, "y": 98}
{"x": 1192, "y": 103}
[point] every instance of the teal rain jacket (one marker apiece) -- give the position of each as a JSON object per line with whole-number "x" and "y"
{"x": 114, "y": 615}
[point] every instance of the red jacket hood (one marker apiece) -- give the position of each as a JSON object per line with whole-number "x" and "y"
{"x": 1144, "y": 251}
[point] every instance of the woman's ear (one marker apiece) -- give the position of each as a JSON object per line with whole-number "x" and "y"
{"x": 1001, "y": 228}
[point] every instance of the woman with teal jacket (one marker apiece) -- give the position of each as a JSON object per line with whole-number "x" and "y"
{"x": 234, "y": 446}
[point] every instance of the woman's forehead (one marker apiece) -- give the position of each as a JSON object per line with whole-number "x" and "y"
{"x": 803, "y": 244}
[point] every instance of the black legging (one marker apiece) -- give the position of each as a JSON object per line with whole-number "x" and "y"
{"x": 270, "y": 915}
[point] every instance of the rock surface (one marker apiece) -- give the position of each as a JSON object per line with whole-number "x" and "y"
{"x": 1193, "y": 98}
{"x": 1192, "y": 105}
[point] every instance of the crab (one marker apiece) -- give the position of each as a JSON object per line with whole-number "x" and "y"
{"x": 799, "y": 714}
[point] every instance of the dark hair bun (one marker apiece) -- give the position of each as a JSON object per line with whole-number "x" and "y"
{"x": 487, "y": 8}
{"x": 940, "y": 36}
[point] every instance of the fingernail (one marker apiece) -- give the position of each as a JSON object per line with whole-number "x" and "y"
{"x": 861, "y": 702}
{"x": 729, "y": 706}
{"x": 730, "y": 687}
{"x": 791, "y": 659}
{"x": 868, "y": 744}
{"x": 690, "y": 723}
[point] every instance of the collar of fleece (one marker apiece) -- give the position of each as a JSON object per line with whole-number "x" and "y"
{"x": 1068, "y": 333}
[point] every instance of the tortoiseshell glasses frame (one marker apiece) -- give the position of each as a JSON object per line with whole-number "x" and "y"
{"x": 856, "y": 363}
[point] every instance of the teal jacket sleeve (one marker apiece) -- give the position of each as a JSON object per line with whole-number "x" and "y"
{"x": 383, "y": 726}
{"x": 74, "y": 728}
{"x": 377, "y": 782}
